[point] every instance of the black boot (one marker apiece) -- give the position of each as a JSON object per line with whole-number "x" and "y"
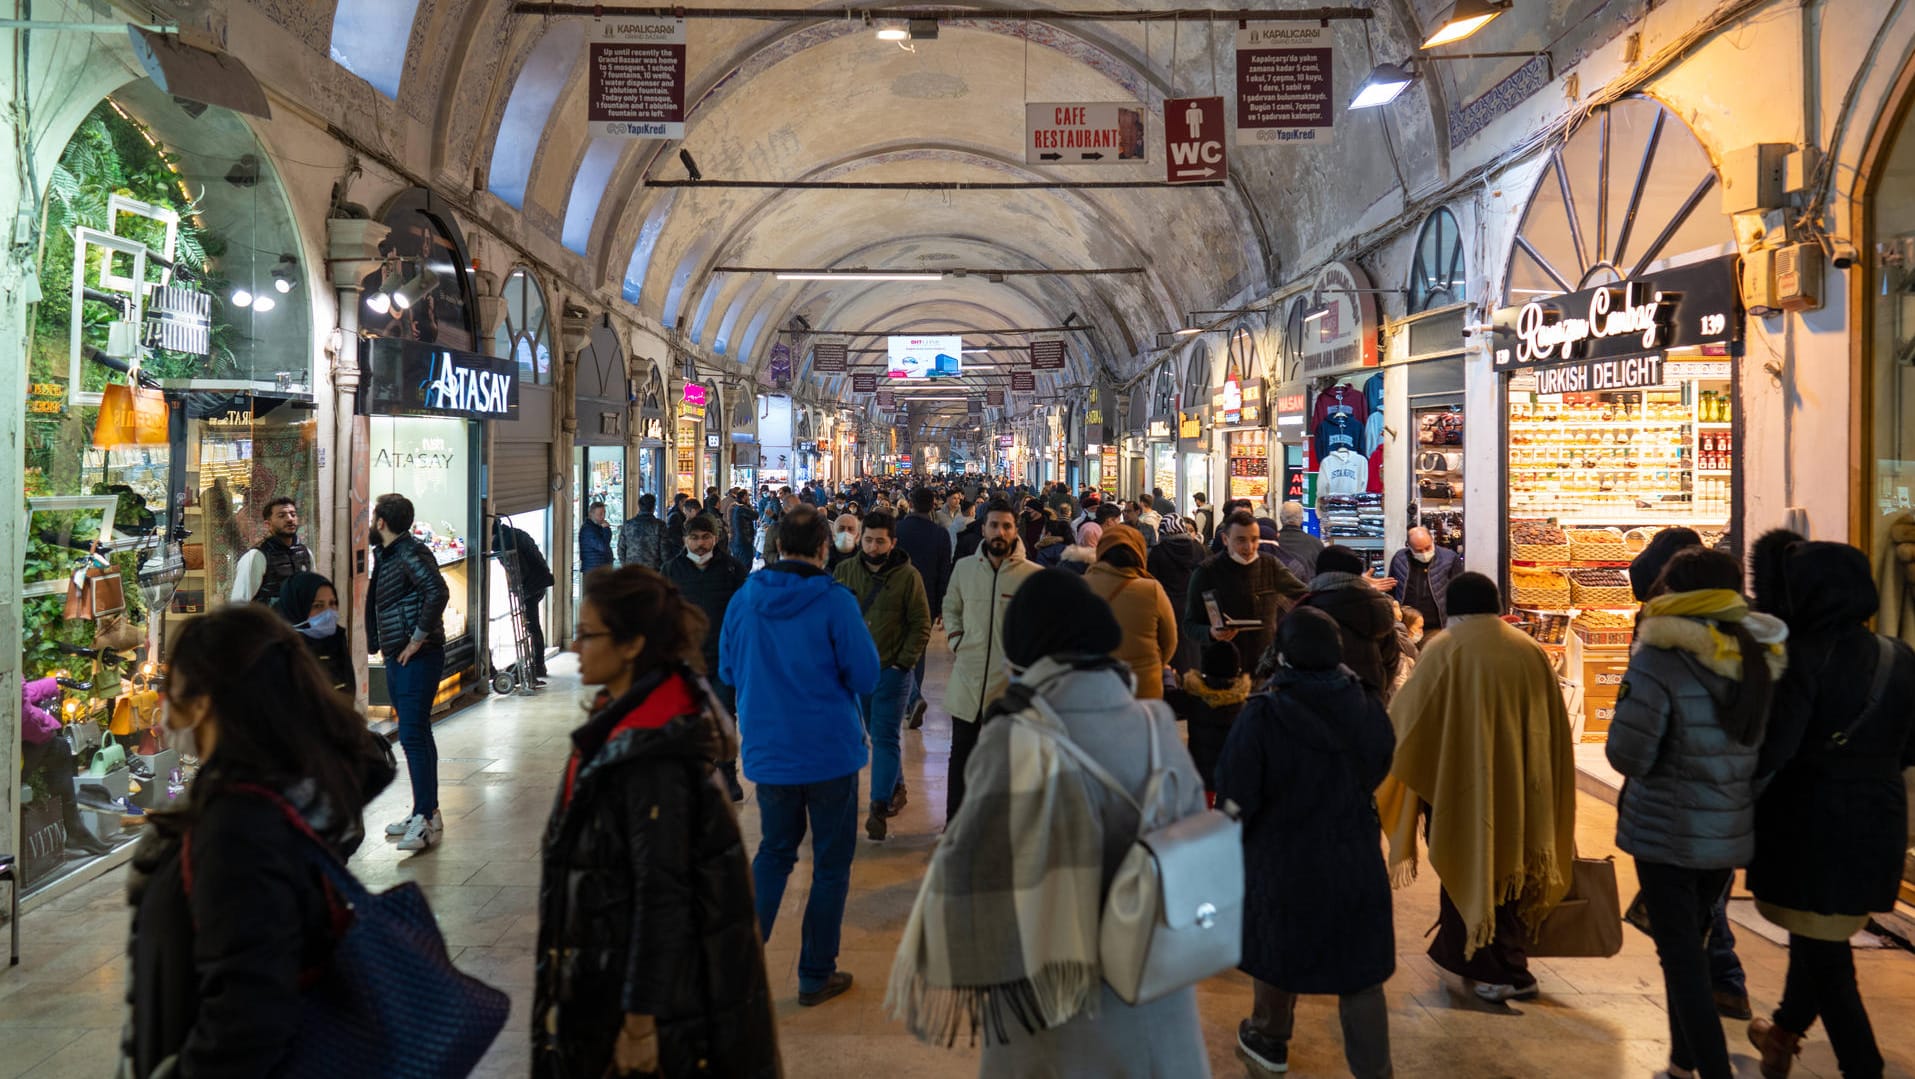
{"x": 729, "y": 769}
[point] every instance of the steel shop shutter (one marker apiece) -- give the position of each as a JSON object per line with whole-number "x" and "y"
{"x": 521, "y": 476}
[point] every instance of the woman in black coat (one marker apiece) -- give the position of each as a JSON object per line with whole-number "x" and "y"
{"x": 1365, "y": 615}
{"x": 215, "y": 972}
{"x": 1301, "y": 764}
{"x": 1832, "y": 827}
{"x": 649, "y": 959}
{"x": 1176, "y": 556}
{"x": 310, "y": 604}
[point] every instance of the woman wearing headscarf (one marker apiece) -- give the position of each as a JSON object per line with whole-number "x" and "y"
{"x": 1177, "y": 555}
{"x": 1143, "y": 611}
{"x": 310, "y": 604}
{"x": 1301, "y": 764}
{"x": 1689, "y": 722}
{"x": 1831, "y": 829}
{"x": 1011, "y": 952}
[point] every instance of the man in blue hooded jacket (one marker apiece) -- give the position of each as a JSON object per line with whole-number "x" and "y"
{"x": 788, "y": 627}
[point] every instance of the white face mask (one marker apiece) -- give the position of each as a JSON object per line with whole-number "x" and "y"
{"x": 698, "y": 559}
{"x": 1424, "y": 556}
{"x": 845, "y": 541}
{"x": 319, "y": 626}
{"x": 1245, "y": 560}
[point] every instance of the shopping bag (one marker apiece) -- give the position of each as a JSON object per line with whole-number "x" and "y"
{"x": 130, "y": 416}
{"x": 1587, "y": 924}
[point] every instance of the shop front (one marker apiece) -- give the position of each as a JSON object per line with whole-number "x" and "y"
{"x": 1238, "y": 408}
{"x": 1099, "y": 440}
{"x": 1621, "y": 420}
{"x": 1160, "y": 436}
{"x": 1428, "y": 372}
{"x": 427, "y": 411}
{"x": 601, "y": 406}
{"x": 1193, "y": 430}
{"x": 688, "y": 439}
{"x": 169, "y": 399}
{"x": 651, "y": 440}
{"x": 520, "y": 491}
{"x": 742, "y": 450}
{"x": 1330, "y": 339}
{"x": 711, "y": 440}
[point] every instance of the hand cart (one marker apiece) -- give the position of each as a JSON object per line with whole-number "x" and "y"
{"x": 518, "y": 676}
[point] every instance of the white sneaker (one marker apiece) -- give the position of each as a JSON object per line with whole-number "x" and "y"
{"x": 401, "y": 827}
{"x": 1499, "y": 994}
{"x": 420, "y": 834}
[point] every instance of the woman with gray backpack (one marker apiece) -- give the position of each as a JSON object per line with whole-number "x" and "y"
{"x": 1059, "y": 959}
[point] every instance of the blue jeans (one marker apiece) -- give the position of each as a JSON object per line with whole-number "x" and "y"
{"x": 883, "y": 710}
{"x": 917, "y": 682}
{"x": 1725, "y": 969}
{"x": 832, "y": 807}
{"x": 411, "y": 687}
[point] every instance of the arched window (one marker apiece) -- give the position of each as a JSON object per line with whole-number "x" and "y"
{"x": 369, "y": 39}
{"x": 522, "y": 127}
{"x": 526, "y": 332}
{"x": 1197, "y": 376}
{"x": 1436, "y": 272}
{"x": 1630, "y": 190}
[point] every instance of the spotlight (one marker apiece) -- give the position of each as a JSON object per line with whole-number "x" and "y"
{"x": 264, "y": 303}
{"x": 380, "y": 303}
{"x": 691, "y": 167}
{"x": 285, "y": 274}
{"x": 1384, "y": 85}
{"x": 1467, "y": 17}
{"x": 242, "y": 298}
{"x": 893, "y": 33}
{"x": 415, "y": 290}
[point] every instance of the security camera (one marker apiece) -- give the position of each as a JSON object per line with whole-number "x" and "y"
{"x": 1842, "y": 254}
{"x": 691, "y": 167}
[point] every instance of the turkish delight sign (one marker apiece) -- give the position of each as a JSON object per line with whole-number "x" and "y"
{"x": 636, "y": 83}
{"x": 1284, "y": 91}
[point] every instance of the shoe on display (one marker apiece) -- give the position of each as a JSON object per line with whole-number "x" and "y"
{"x": 1732, "y": 1005}
{"x": 899, "y": 798}
{"x": 833, "y": 986}
{"x": 917, "y": 715}
{"x": 1778, "y": 1047}
{"x": 1269, "y": 1054}
{"x": 874, "y": 821}
{"x": 420, "y": 835}
{"x": 1497, "y": 993}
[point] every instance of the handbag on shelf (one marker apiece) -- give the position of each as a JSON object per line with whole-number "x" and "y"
{"x": 115, "y": 634}
{"x": 193, "y": 555}
{"x": 1587, "y": 924}
{"x": 110, "y": 757}
{"x": 94, "y": 592}
{"x": 134, "y": 712}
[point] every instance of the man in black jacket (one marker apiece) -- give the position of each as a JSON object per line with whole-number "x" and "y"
{"x": 1291, "y": 537}
{"x": 708, "y": 576}
{"x": 641, "y": 539}
{"x": 405, "y": 623}
{"x": 1365, "y": 615}
{"x": 1248, "y": 584}
{"x": 929, "y": 546}
{"x": 535, "y": 579}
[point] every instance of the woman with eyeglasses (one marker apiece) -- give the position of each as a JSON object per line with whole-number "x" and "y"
{"x": 229, "y": 906}
{"x": 649, "y": 959}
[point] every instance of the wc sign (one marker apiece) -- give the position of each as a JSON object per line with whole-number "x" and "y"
{"x": 1194, "y": 137}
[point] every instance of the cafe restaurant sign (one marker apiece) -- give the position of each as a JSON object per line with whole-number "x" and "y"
{"x": 410, "y": 378}
{"x": 1680, "y": 308}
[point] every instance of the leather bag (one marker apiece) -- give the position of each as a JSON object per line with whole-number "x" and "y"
{"x": 388, "y": 959}
{"x": 1174, "y": 913}
{"x": 1587, "y": 924}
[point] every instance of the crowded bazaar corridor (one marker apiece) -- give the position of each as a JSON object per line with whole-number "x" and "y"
{"x": 500, "y": 762}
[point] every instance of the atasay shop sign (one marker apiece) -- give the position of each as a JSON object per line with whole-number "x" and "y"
{"x": 408, "y": 378}
{"x": 1684, "y": 307}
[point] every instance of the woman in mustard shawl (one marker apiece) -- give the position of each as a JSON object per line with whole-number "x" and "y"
{"x": 1483, "y": 744}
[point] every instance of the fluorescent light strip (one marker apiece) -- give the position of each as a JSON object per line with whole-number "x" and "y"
{"x": 828, "y": 276}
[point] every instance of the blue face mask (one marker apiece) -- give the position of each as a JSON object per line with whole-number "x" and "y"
{"x": 323, "y": 624}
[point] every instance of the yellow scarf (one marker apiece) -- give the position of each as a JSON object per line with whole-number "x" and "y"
{"x": 1716, "y": 605}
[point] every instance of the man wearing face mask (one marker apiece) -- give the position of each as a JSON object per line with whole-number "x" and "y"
{"x": 982, "y": 585}
{"x": 1248, "y": 585}
{"x": 708, "y": 575}
{"x": 891, "y": 595}
{"x": 844, "y": 541}
{"x": 1420, "y": 576}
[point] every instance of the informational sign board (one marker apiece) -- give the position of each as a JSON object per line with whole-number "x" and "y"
{"x": 994, "y": 398}
{"x": 1284, "y": 89}
{"x": 864, "y": 383}
{"x": 1023, "y": 382}
{"x": 886, "y": 399}
{"x": 1194, "y": 144}
{"x": 1047, "y": 354}
{"x": 635, "y": 85}
{"x": 1084, "y": 133}
{"x": 828, "y": 356}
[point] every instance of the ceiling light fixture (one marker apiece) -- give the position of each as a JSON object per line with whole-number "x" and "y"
{"x": 263, "y": 303}
{"x": 1187, "y": 331}
{"x": 242, "y": 298}
{"x": 1317, "y": 315}
{"x": 893, "y": 33}
{"x": 1465, "y": 18}
{"x": 858, "y": 275}
{"x": 1385, "y": 84}
{"x": 413, "y": 291}
{"x": 285, "y": 274}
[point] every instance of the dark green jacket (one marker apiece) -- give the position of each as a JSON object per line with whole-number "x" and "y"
{"x": 894, "y": 605}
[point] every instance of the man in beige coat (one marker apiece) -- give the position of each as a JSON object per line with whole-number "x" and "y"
{"x": 982, "y": 585}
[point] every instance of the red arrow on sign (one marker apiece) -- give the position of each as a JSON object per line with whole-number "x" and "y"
{"x": 1194, "y": 140}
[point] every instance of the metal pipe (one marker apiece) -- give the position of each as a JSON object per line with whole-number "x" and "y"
{"x": 931, "y": 185}
{"x": 923, "y": 332}
{"x": 964, "y": 272}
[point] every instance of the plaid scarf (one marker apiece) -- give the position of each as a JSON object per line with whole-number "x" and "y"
{"x": 1006, "y": 925}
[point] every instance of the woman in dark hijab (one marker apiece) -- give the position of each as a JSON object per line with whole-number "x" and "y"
{"x": 311, "y": 604}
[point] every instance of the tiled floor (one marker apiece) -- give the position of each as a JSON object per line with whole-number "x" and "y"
{"x": 60, "y": 1010}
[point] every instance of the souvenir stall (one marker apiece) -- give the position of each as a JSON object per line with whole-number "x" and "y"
{"x": 687, "y": 439}
{"x": 1331, "y": 339}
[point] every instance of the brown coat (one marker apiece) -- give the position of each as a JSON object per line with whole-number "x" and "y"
{"x": 1149, "y": 622}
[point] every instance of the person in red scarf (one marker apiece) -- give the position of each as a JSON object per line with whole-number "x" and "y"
{"x": 649, "y": 956}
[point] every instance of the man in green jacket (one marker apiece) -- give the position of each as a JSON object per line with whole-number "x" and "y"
{"x": 891, "y": 594}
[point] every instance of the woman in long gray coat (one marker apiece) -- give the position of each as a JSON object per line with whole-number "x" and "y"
{"x": 1003, "y": 939}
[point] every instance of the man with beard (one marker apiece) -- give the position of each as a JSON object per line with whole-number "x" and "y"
{"x": 707, "y": 575}
{"x": 260, "y": 571}
{"x": 891, "y": 595}
{"x": 982, "y": 585}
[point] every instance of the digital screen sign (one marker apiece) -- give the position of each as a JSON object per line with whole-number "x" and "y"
{"x": 924, "y": 357}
